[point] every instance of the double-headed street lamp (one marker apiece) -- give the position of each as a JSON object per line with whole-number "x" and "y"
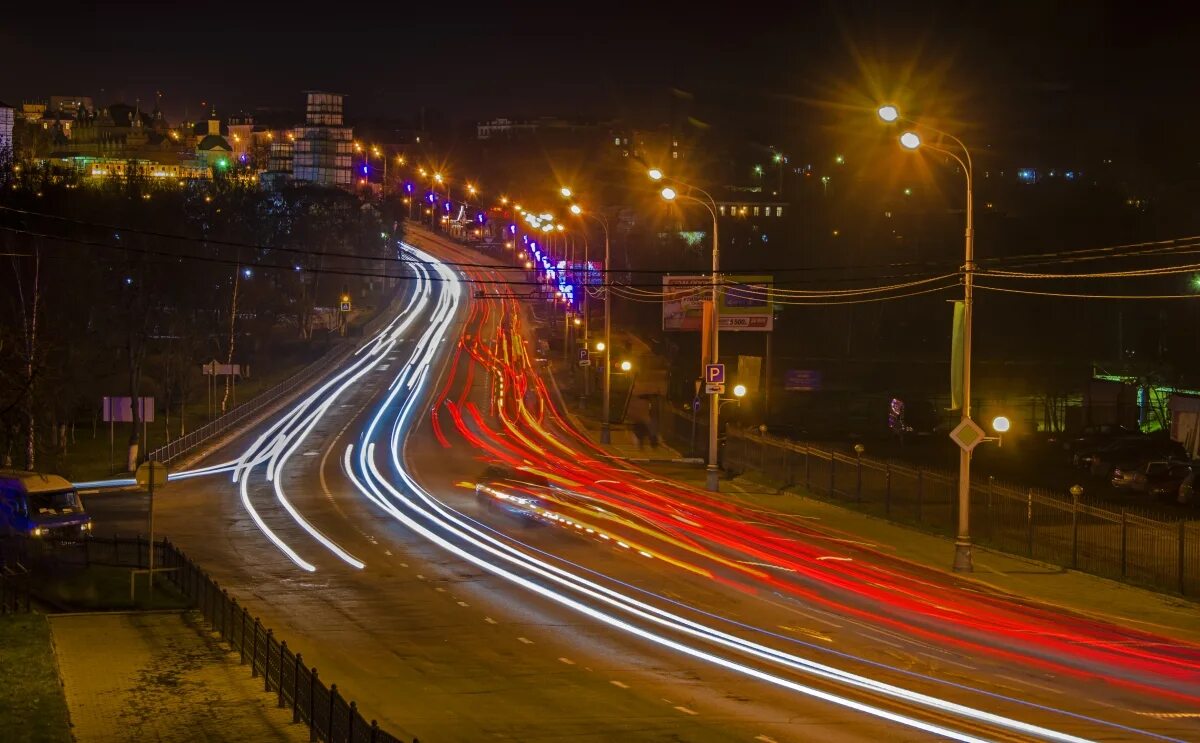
{"x": 714, "y": 407}
{"x": 911, "y": 140}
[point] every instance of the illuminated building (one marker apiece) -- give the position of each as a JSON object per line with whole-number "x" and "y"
{"x": 323, "y": 144}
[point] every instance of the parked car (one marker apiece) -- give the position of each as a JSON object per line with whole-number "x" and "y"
{"x": 1158, "y": 478}
{"x": 1186, "y": 494}
{"x": 1131, "y": 454}
{"x": 1085, "y": 453}
{"x": 37, "y": 505}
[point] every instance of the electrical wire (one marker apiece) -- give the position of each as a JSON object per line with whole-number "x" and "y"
{"x": 1072, "y": 295}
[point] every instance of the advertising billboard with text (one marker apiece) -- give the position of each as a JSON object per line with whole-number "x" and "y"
{"x": 745, "y": 302}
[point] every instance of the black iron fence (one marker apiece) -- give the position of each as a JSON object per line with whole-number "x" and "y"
{"x": 14, "y": 588}
{"x": 330, "y": 717}
{"x": 1125, "y": 545}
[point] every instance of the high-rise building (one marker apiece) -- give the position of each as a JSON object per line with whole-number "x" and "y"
{"x": 6, "y": 135}
{"x": 323, "y": 144}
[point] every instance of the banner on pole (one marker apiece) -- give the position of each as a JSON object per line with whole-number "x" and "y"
{"x": 956, "y": 358}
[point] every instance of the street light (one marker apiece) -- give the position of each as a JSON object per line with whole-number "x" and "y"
{"x": 600, "y": 346}
{"x": 1000, "y": 424}
{"x": 910, "y": 140}
{"x": 566, "y": 192}
{"x": 706, "y": 200}
{"x": 626, "y": 366}
{"x": 739, "y": 390}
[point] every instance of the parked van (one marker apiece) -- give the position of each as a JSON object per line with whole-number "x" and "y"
{"x": 37, "y": 505}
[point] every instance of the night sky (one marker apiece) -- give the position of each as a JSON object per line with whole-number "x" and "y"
{"x": 1039, "y": 77}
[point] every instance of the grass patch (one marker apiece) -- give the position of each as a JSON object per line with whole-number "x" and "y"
{"x": 104, "y": 588}
{"x": 32, "y": 704}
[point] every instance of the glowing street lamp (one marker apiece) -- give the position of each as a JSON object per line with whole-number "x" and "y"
{"x": 576, "y": 209}
{"x": 655, "y": 174}
{"x": 1000, "y": 424}
{"x": 668, "y": 193}
{"x": 626, "y": 366}
{"x": 600, "y": 346}
{"x": 739, "y": 390}
{"x": 910, "y": 140}
{"x": 566, "y": 192}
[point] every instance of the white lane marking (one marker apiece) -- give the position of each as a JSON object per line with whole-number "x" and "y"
{"x": 619, "y": 684}
{"x": 525, "y": 640}
{"x": 403, "y": 564}
{"x": 947, "y": 660}
{"x": 1016, "y": 680}
{"x": 418, "y": 574}
{"x": 463, "y": 603}
{"x": 686, "y": 711}
{"x": 765, "y": 739}
{"x": 439, "y": 589}
{"x": 310, "y": 453}
{"x": 489, "y": 620}
{"x": 568, "y": 661}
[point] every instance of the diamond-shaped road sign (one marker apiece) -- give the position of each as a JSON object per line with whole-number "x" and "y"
{"x": 968, "y": 434}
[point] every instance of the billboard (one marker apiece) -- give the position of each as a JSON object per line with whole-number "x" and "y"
{"x": 745, "y": 302}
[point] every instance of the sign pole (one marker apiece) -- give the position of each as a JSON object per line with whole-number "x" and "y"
{"x": 150, "y": 594}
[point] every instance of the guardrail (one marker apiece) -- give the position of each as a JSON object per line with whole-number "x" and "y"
{"x": 330, "y": 717}
{"x": 173, "y": 450}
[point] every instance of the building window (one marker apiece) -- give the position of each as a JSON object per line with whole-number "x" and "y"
{"x": 721, "y": 209}
{"x": 617, "y": 141}
{"x": 779, "y": 211}
{"x": 674, "y": 155}
{"x": 756, "y": 211}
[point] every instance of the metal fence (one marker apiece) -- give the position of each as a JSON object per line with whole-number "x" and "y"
{"x": 330, "y": 717}
{"x": 175, "y": 449}
{"x": 1058, "y": 529}
{"x": 14, "y": 588}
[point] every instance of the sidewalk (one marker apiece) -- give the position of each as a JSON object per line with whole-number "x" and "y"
{"x": 1048, "y": 584}
{"x": 160, "y": 676}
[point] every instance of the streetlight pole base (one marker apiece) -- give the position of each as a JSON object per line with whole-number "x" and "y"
{"x": 962, "y": 555}
{"x": 713, "y": 478}
{"x": 605, "y": 434}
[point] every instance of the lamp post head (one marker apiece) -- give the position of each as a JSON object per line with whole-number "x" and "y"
{"x": 560, "y": 227}
{"x": 600, "y": 345}
{"x": 566, "y": 192}
{"x": 888, "y": 113}
{"x": 668, "y": 193}
{"x": 910, "y": 140}
{"x": 626, "y": 366}
{"x": 437, "y": 177}
{"x": 739, "y": 390}
{"x": 576, "y": 210}
{"x": 655, "y": 174}
{"x": 1000, "y": 424}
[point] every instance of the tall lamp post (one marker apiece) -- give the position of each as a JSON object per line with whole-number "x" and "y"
{"x": 605, "y": 424}
{"x": 714, "y": 406}
{"x": 911, "y": 140}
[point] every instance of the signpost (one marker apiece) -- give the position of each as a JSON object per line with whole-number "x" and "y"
{"x": 968, "y": 435}
{"x": 583, "y": 357}
{"x": 714, "y": 379}
{"x": 149, "y": 475}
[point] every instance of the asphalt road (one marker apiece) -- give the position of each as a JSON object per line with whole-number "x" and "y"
{"x": 437, "y": 637}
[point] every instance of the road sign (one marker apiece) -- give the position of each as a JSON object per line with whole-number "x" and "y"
{"x": 968, "y": 434}
{"x": 345, "y": 306}
{"x": 714, "y": 388}
{"x": 714, "y": 373}
{"x": 142, "y": 476}
{"x": 583, "y": 354}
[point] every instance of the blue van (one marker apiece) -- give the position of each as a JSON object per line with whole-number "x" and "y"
{"x": 37, "y": 505}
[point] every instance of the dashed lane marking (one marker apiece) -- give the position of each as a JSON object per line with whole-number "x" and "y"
{"x": 568, "y": 661}
{"x": 685, "y": 710}
{"x": 489, "y": 620}
{"x": 619, "y": 684}
{"x": 765, "y": 739}
{"x": 462, "y": 603}
{"x": 525, "y": 640}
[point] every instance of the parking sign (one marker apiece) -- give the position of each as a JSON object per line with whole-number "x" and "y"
{"x": 714, "y": 373}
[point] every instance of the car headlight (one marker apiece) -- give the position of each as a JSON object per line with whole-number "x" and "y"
{"x": 87, "y": 526}
{"x": 38, "y": 531}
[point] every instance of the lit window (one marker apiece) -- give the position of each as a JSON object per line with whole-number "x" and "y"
{"x": 756, "y": 211}
{"x": 674, "y": 155}
{"x": 779, "y": 211}
{"x": 721, "y": 209}
{"x": 617, "y": 141}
